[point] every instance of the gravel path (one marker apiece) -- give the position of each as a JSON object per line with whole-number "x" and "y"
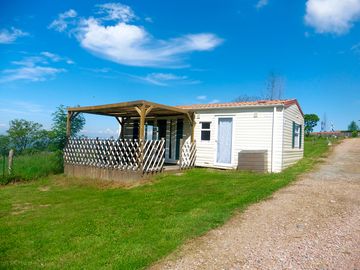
{"x": 312, "y": 224}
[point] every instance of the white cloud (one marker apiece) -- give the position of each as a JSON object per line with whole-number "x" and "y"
{"x": 356, "y": 48}
{"x": 130, "y": 44}
{"x": 108, "y": 131}
{"x": 164, "y": 79}
{"x": 52, "y": 56}
{"x": 43, "y": 58}
{"x": 34, "y": 74}
{"x": 97, "y": 70}
{"x": 9, "y": 36}
{"x": 214, "y": 101}
{"x": 28, "y": 106}
{"x": 262, "y": 3}
{"x": 30, "y": 61}
{"x": 64, "y": 20}
{"x": 116, "y": 12}
{"x": 56, "y": 58}
{"x": 33, "y": 68}
{"x": 149, "y": 20}
{"x": 201, "y": 97}
{"x": 332, "y": 16}
{"x": 20, "y": 107}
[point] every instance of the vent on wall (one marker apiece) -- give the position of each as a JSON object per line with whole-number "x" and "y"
{"x": 253, "y": 160}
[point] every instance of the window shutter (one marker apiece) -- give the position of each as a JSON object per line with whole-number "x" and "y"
{"x": 300, "y": 139}
{"x": 293, "y": 135}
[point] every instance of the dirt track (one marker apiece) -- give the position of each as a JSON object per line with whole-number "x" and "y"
{"x": 312, "y": 224}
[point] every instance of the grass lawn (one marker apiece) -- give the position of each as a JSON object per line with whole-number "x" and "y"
{"x": 56, "y": 223}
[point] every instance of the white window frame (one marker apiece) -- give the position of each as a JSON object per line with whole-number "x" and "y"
{"x": 297, "y": 133}
{"x": 205, "y": 129}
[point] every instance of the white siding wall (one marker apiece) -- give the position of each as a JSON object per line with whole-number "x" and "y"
{"x": 252, "y": 130}
{"x": 290, "y": 155}
{"x": 278, "y": 140}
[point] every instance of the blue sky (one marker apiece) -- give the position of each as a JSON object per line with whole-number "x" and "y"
{"x": 176, "y": 52}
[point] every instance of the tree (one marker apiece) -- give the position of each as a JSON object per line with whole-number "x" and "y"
{"x": 246, "y": 98}
{"x": 59, "y": 126}
{"x": 324, "y": 123}
{"x": 353, "y": 126}
{"x": 275, "y": 87}
{"x": 4, "y": 144}
{"x": 274, "y": 90}
{"x": 311, "y": 121}
{"x": 23, "y": 134}
{"x": 44, "y": 139}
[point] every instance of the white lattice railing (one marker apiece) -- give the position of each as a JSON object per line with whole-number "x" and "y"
{"x": 133, "y": 155}
{"x": 154, "y": 156}
{"x": 188, "y": 155}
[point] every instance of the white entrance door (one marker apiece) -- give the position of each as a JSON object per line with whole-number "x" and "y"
{"x": 224, "y": 142}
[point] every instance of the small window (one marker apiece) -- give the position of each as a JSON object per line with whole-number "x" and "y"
{"x": 205, "y": 131}
{"x": 296, "y": 135}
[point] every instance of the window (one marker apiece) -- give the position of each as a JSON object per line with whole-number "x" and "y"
{"x": 296, "y": 135}
{"x": 205, "y": 131}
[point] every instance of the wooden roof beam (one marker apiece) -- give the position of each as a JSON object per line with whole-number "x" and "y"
{"x": 102, "y": 109}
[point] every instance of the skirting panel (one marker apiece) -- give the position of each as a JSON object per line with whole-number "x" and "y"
{"x": 125, "y": 177}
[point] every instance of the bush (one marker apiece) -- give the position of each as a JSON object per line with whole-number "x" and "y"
{"x": 354, "y": 134}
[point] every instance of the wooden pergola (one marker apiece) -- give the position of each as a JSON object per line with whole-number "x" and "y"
{"x": 125, "y": 110}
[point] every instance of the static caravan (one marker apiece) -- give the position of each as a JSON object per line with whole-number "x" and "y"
{"x": 265, "y": 136}
{"x": 261, "y": 135}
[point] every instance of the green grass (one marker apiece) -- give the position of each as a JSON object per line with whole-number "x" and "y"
{"x": 58, "y": 224}
{"x": 32, "y": 166}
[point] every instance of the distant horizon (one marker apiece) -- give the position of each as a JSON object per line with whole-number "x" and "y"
{"x": 99, "y": 52}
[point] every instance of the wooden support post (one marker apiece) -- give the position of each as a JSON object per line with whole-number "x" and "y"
{"x": 142, "y": 111}
{"x": 192, "y": 123}
{"x": 68, "y": 124}
{"x": 191, "y": 118}
{"x": 10, "y": 161}
{"x": 142, "y": 124}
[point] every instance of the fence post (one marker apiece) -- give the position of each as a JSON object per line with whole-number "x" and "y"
{"x": 10, "y": 161}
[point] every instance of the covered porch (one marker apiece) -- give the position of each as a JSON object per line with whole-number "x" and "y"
{"x": 151, "y": 135}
